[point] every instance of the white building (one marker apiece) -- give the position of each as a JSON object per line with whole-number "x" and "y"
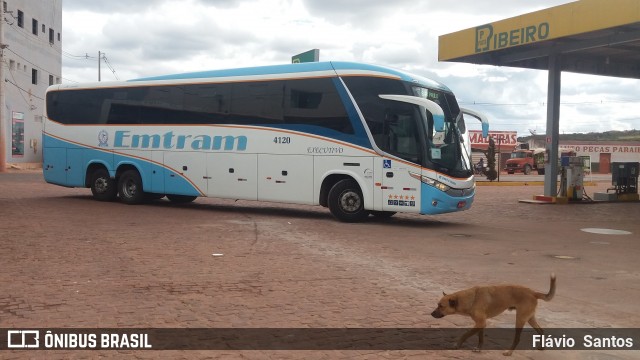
{"x": 603, "y": 153}
{"x": 600, "y": 153}
{"x": 31, "y": 61}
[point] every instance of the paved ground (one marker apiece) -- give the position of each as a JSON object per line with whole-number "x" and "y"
{"x": 69, "y": 261}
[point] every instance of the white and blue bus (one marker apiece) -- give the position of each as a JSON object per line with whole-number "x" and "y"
{"x": 356, "y": 138}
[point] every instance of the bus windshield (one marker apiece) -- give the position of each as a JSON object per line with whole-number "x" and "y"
{"x": 445, "y": 149}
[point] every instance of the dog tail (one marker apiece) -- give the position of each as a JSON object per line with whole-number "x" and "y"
{"x": 552, "y": 290}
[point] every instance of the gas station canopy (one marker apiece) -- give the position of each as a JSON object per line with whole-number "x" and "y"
{"x": 593, "y": 36}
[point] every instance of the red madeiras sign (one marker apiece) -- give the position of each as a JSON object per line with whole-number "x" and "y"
{"x": 504, "y": 139}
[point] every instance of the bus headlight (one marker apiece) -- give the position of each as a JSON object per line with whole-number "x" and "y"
{"x": 436, "y": 184}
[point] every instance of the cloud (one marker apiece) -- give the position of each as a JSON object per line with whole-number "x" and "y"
{"x": 136, "y": 7}
{"x": 155, "y": 37}
{"x": 112, "y": 6}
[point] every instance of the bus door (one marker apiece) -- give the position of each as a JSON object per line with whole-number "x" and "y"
{"x": 401, "y": 179}
{"x": 400, "y": 192}
{"x": 400, "y": 136}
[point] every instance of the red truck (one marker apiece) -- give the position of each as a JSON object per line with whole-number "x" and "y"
{"x": 526, "y": 160}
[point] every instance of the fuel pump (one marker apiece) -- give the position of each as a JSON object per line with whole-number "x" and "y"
{"x": 572, "y": 178}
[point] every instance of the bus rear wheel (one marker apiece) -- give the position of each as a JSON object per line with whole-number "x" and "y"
{"x": 103, "y": 187}
{"x": 130, "y": 188}
{"x": 346, "y": 202}
{"x": 181, "y": 199}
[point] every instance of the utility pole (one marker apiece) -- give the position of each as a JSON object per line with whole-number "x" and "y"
{"x": 99, "y": 63}
{"x": 3, "y": 123}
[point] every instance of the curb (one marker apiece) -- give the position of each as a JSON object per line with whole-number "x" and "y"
{"x": 522, "y": 183}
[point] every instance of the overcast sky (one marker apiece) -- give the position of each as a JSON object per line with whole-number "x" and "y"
{"x": 157, "y": 37}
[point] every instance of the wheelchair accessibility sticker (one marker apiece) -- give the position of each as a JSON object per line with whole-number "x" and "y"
{"x": 386, "y": 164}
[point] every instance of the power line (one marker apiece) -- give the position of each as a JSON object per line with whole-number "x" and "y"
{"x": 106, "y": 61}
{"x": 15, "y": 83}
{"x": 78, "y": 57}
{"x": 34, "y": 65}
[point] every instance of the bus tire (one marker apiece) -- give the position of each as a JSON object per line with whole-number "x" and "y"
{"x": 346, "y": 202}
{"x": 181, "y": 199}
{"x": 103, "y": 187}
{"x": 130, "y": 188}
{"x": 527, "y": 169}
{"x": 383, "y": 214}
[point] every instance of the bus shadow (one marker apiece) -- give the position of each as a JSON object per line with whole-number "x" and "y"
{"x": 291, "y": 211}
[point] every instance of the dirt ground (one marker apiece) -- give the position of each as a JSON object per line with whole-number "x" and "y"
{"x": 70, "y": 261}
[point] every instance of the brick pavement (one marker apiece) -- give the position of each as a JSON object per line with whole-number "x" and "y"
{"x": 69, "y": 261}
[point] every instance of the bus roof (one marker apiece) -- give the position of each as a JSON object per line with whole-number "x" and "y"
{"x": 340, "y": 68}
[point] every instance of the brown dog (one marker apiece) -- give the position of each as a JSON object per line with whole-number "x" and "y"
{"x": 484, "y": 302}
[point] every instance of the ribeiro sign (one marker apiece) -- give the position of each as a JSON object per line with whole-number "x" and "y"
{"x": 487, "y": 39}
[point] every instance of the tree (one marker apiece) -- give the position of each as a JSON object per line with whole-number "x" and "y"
{"x": 492, "y": 174}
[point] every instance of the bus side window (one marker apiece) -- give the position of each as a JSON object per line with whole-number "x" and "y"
{"x": 315, "y": 102}
{"x": 400, "y": 135}
{"x": 255, "y": 103}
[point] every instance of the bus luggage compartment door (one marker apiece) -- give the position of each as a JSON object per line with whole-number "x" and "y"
{"x": 186, "y": 174}
{"x": 232, "y": 176}
{"x": 64, "y": 166}
{"x": 55, "y": 165}
{"x": 285, "y": 178}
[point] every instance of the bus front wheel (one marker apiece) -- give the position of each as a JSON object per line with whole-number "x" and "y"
{"x": 130, "y": 188}
{"x": 346, "y": 201}
{"x": 103, "y": 187}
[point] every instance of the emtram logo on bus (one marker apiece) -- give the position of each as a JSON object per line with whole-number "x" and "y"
{"x": 124, "y": 139}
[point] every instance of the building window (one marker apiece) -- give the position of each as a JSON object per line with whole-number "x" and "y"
{"x": 44, "y": 29}
{"x": 51, "y": 80}
{"x": 59, "y": 37}
{"x": 4, "y": 6}
{"x": 34, "y": 76}
{"x": 34, "y": 27}
{"x": 20, "y": 19}
{"x": 51, "y": 35}
{"x": 12, "y": 65}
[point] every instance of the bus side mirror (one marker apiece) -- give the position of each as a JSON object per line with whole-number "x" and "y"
{"x": 437, "y": 113}
{"x": 438, "y": 123}
{"x": 485, "y": 129}
{"x": 481, "y": 117}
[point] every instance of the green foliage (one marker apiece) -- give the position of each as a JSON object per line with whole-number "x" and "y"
{"x": 492, "y": 174}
